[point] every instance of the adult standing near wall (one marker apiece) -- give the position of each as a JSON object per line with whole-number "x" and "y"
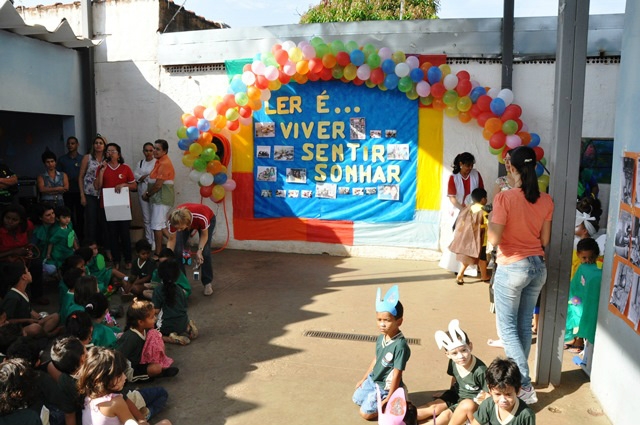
{"x": 8, "y": 185}
{"x": 114, "y": 173}
{"x": 52, "y": 184}
{"x": 160, "y": 191}
{"x": 69, "y": 164}
{"x": 142, "y": 172}
{"x": 95, "y": 225}
{"x": 182, "y": 221}
{"x": 520, "y": 226}
{"x": 463, "y": 181}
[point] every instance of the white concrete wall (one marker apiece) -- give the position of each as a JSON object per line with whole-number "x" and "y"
{"x": 616, "y": 369}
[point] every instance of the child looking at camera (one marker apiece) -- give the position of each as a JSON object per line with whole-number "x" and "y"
{"x": 142, "y": 270}
{"x": 96, "y": 266}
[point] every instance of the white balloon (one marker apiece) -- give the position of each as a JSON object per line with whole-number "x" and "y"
{"x": 289, "y": 68}
{"x": 248, "y": 78}
{"x": 302, "y": 44}
{"x": 493, "y": 92}
{"x": 364, "y": 72}
{"x": 271, "y": 73}
{"x": 209, "y": 114}
{"x": 402, "y": 69}
{"x": 258, "y": 67}
{"x": 423, "y": 89}
{"x": 265, "y": 95}
{"x": 450, "y": 82}
{"x": 206, "y": 179}
{"x": 287, "y": 45}
{"x": 413, "y": 62}
{"x": 194, "y": 176}
{"x": 384, "y": 53}
{"x": 507, "y": 96}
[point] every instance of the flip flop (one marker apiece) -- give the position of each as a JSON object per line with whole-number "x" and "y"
{"x": 496, "y": 343}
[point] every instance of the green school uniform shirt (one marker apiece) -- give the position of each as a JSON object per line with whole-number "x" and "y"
{"x": 392, "y": 354}
{"x": 104, "y": 336}
{"x": 41, "y": 237}
{"x": 487, "y": 414}
{"x": 97, "y": 267}
{"x": 172, "y": 318}
{"x": 592, "y": 279}
{"x": 69, "y": 401}
{"x": 468, "y": 383}
{"x": 16, "y": 305}
{"x": 130, "y": 345}
{"x": 67, "y": 306}
{"x": 182, "y": 282}
{"x": 21, "y": 417}
{"x": 62, "y": 244}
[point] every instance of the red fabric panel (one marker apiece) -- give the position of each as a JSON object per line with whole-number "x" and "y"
{"x": 339, "y": 232}
{"x": 243, "y": 196}
{"x": 435, "y": 60}
{"x": 270, "y": 229}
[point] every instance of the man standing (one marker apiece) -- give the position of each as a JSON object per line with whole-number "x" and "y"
{"x": 70, "y": 164}
{"x": 8, "y": 185}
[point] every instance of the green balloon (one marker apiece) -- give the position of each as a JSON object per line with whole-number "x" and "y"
{"x": 368, "y": 49}
{"x": 200, "y": 164}
{"x": 336, "y": 47}
{"x": 543, "y": 161}
{"x": 464, "y": 104}
{"x": 182, "y": 132}
{"x": 496, "y": 151}
{"x": 450, "y": 98}
{"x": 405, "y": 84}
{"x": 242, "y": 99}
{"x": 351, "y": 46}
{"x": 337, "y": 72}
{"x": 426, "y": 101}
{"x": 373, "y": 60}
{"x": 321, "y": 50}
{"x": 509, "y": 127}
{"x": 232, "y": 114}
{"x": 207, "y": 154}
{"x": 315, "y": 41}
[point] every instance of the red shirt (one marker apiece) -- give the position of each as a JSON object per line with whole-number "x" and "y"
{"x": 19, "y": 240}
{"x": 115, "y": 176}
{"x": 202, "y": 216}
{"x": 467, "y": 188}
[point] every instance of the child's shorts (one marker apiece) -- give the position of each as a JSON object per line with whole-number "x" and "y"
{"x": 451, "y": 398}
{"x": 366, "y": 398}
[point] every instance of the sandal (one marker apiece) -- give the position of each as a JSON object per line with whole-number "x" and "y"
{"x": 193, "y": 331}
{"x": 576, "y": 349}
{"x": 178, "y": 339}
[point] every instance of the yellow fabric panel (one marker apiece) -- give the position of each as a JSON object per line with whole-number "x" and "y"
{"x": 242, "y": 150}
{"x": 430, "y": 156}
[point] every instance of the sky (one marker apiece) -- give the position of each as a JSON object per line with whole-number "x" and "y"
{"x": 251, "y": 13}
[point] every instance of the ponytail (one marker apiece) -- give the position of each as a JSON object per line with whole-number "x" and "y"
{"x": 523, "y": 159}
{"x": 169, "y": 272}
{"x": 464, "y": 158}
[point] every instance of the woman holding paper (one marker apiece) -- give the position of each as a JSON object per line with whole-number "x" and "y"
{"x": 114, "y": 174}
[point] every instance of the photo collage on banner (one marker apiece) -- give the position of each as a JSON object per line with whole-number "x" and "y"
{"x": 624, "y": 299}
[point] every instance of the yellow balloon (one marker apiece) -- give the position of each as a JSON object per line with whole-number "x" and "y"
{"x": 188, "y": 160}
{"x": 295, "y": 54}
{"x": 275, "y": 85}
{"x": 451, "y": 111}
{"x": 195, "y": 149}
{"x": 217, "y": 193}
{"x": 446, "y": 70}
{"x": 350, "y": 72}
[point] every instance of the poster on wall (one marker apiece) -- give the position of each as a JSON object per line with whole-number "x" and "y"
{"x": 621, "y": 286}
{"x": 339, "y": 147}
{"x": 626, "y": 180}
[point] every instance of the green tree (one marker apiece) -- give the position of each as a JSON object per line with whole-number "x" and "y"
{"x": 370, "y": 10}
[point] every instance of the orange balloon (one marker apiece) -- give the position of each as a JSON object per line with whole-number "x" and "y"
{"x": 302, "y": 67}
{"x": 328, "y": 60}
{"x": 303, "y": 78}
{"x": 487, "y": 134}
{"x": 525, "y": 137}
{"x": 493, "y": 125}
{"x": 185, "y": 117}
{"x": 464, "y": 117}
{"x": 255, "y": 105}
{"x": 275, "y": 85}
{"x": 438, "y": 104}
{"x": 219, "y": 121}
{"x": 214, "y": 167}
{"x": 253, "y": 93}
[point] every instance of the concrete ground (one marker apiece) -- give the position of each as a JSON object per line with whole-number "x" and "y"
{"x": 252, "y": 363}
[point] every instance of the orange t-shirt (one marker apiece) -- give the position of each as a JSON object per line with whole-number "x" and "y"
{"x": 163, "y": 169}
{"x": 522, "y": 224}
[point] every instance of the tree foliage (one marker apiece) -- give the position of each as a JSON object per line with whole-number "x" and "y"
{"x": 370, "y": 10}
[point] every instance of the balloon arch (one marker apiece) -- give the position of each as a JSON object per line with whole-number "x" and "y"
{"x": 204, "y": 135}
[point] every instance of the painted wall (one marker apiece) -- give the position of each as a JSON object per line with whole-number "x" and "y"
{"x": 616, "y": 368}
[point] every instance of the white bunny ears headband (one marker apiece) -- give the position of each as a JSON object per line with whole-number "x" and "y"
{"x": 586, "y": 219}
{"x": 457, "y": 338}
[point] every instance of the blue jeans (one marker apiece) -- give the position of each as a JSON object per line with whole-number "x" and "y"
{"x": 181, "y": 241}
{"x": 365, "y": 396}
{"x": 155, "y": 398}
{"x": 516, "y": 289}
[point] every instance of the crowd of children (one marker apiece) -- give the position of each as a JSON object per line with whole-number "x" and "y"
{"x": 78, "y": 365}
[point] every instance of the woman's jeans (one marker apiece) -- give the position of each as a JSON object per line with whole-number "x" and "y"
{"x": 516, "y": 289}
{"x": 182, "y": 238}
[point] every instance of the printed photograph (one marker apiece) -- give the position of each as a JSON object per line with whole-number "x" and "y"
{"x": 389, "y": 192}
{"x": 375, "y": 134}
{"x": 357, "y": 129}
{"x": 263, "y": 152}
{"x": 358, "y": 191}
{"x": 398, "y": 152}
{"x": 370, "y": 190}
{"x": 293, "y": 194}
{"x": 297, "y": 175}
{"x": 265, "y": 129}
{"x": 344, "y": 190}
{"x": 634, "y": 257}
{"x": 326, "y": 190}
{"x": 267, "y": 174}
{"x": 621, "y": 286}
{"x": 283, "y": 153}
{"x": 634, "y": 303}
{"x": 623, "y": 234}
{"x": 266, "y": 193}
{"x": 307, "y": 194}
{"x": 626, "y": 180}
{"x": 390, "y": 134}
{"x": 281, "y": 193}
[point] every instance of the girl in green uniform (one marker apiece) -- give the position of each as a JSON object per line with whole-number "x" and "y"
{"x": 105, "y": 332}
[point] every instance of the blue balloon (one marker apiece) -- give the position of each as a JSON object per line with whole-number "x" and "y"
{"x": 193, "y": 133}
{"x": 184, "y": 144}
{"x": 434, "y": 75}
{"x": 357, "y": 57}
{"x": 237, "y": 85}
{"x": 416, "y": 75}
{"x": 203, "y": 125}
{"x": 535, "y": 140}
{"x": 220, "y": 178}
{"x": 497, "y": 106}
{"x": 476, "y": 93}
{"x": 539, "y": 169}
{"x": 391, "y": 81}
{"x": 388, "y": 66}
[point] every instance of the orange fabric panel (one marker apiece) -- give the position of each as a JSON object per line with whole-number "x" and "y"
{"x": 270, "y": 229}
{"x": 340, "y": 232}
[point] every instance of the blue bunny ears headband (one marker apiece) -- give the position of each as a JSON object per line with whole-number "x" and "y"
{"x": 390, "y": 301}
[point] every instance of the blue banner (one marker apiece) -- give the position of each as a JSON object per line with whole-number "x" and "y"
{"x": 336, "y": 151}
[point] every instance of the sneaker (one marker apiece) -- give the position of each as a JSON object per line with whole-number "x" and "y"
{"x": 170, "y": 372}
{"x": 528, "y": 395}
{"x": 208, "y": 289}
{"x": 179, "y": 339}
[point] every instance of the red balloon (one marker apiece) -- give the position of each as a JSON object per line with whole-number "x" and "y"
{"x": 377, "y": 76}
{"x": 519, "y": 122}
{"x": 464, "y": 87}
{"x": 233, "y": 125}
{"x": 539, "y": 153}
{"x": 475, "y": 111}
{"x": 463, "y": 75}
{"x": 498, "y": 140}
{"x": 262, "y": 82}
{"x": 244, "y": 111}
{"x": 438, "y": 90}
{"x": 483, "y": 117}
{"x": 205, "y": 191}
{"x": 343, "y": 58}
{"x": 484, "y": 103}
{"x": 221, "y": 108}
{"x": 275, "y": 48}
{"x": 284, "y": 78}
{"x": 246, "y": 68}
{"x": 326, "y": 74}
{"x": 281, "y": 57}
{"x": 313, "y": 76}
{"x": 315, "y": 65}
{"x": 357, "y": 81}
{"x": 229, "y": 100}
{"x": 198, "y": 110}
{"x": 514, "y": 109}
{"x": 191, "y": 121}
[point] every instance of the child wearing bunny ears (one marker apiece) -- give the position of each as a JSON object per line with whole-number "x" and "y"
{"x": 457, "y": 405}
{"x": 392, "y": 354}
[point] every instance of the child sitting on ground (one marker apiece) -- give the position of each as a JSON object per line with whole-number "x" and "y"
{"x": 470, "y": 236}
{"x": 67, "y": 354}
{"x": 182, "y": 281}
{"x": 468, "y": 386}
{"x": 584, "y": 296}
{"x": 170, "y": 301}
{"x": 141, "y": 316}
{"x": 503, "y": 379}
{"x": 79, "y": 325}
{"x": 17, "y": 306}
{"x": 63, "y": 239}
{"x": 142, "y": 270}
{"x": 392, "y": 354}
{"x": 83, "y": 288}
{"x": 17, "y": 391}
{"x": 67, "y": 303}
{"x": 96, "y": 266}
{"x": 104, "y": 331}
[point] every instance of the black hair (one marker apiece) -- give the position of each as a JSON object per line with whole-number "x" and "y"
{"x": 84, "y": 289}
{"x": 63, "y": 211}
{"x": 478, "y": 194}
{"x": 12, "y": 272}
{"x": 71, "y": 277}
{"x": 27, "y": 348}
{"x": 523, "y": 159}
{"x": 137, "y": 311}
{"x": 80, "y": 325}
{"x": 169, "y": 272}
{"x": 97, "y": 306}
{"x": 503, "y": 373}
{"x": 411, "y": 416}
{"x": 593, "y": 207}
{"x": 74, "y": 138}
{"x": 464, "y": 158}
{"x": 17, "y": 385}
{"x": 166, "y": 253}
{"x": 163, "y": 144}
{"x": 66, "y": 354}
{"x": 87, "y": 242}
{"x": 142, "y": 245}
{"x": 467, "y": 340}
{"x": 399, "y": 310}
{"x": 42, "y": 208}
{"x": 588, "y": 244}
{"x": 85, "y": 253}
{"x": 71, "y": 262}
{"x": 117, "y": 146}
{"x": 147, "y": 144}
{"x": 48, "y": 155}
{"x": 17, "y": 209}
{"x": 9, "y": 333}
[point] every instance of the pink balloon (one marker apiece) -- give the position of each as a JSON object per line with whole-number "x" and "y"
{"x": 229, "y": 185}
{"x": 384, "y": 53}
{"x": 423, "y": 89}
{"x": 364, "y": 72}
{"x": 513, "y": 141}
{"x": 309, "y": 52}
{"x": 289, "y": 68}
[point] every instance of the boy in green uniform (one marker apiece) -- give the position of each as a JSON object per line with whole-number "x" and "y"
{"x": 62, "y": 239}
{"x": 504, "y": 380}
{"x": 97, "y": 266}
{"x": 392, "y": 354}
{"x": 468, "y": 386}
